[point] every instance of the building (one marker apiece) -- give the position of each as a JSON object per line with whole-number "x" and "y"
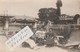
{"x": 65, "y": 17}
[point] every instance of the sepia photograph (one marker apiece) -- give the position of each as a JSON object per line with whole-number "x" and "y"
{"x": 39, "y": 25}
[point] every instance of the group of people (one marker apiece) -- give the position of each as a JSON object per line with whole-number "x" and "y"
{"x": 42, "y": 37}
{"x": 49, "y": 38}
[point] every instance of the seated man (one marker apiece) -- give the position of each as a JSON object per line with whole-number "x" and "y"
{"x": 40, "y": 34}
{"x": 49, "y": 38}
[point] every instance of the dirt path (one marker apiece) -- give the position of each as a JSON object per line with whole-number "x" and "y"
{"x": 3, "y": 48}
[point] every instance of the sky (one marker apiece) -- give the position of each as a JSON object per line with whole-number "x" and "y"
{"x": 31, "y": 7}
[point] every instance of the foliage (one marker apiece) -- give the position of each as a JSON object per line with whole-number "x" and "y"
{"x": 46, "y": 14}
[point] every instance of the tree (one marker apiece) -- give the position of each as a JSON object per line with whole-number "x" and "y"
{"x": 43, "y": 14}
{"x": 59, "y": 4}
{"x": 46, "y": 14}
{"x": 76, "y": 17}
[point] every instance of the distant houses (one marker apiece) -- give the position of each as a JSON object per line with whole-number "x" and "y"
{"x": 13, "y": 24}
{"x": 66, "y": 19}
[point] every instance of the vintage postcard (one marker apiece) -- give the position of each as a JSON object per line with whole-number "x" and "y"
{"x": 39, "y": 25}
